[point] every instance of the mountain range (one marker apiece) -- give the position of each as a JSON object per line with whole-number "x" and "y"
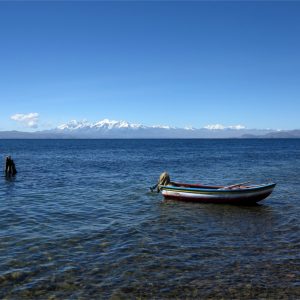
{"x": 123, "y": 129}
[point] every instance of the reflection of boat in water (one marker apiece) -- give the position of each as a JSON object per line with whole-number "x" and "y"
{"x": 235, "y": 194}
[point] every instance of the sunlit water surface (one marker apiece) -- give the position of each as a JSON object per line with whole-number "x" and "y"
{"x": 78, "y": 221}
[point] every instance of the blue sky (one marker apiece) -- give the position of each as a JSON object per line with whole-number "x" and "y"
{"x": 175, "y": 63}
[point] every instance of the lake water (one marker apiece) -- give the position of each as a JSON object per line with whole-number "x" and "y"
{"x": 78, "y": 221}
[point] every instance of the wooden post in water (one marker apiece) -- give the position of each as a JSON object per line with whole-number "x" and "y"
{"x": 10, "y": 167}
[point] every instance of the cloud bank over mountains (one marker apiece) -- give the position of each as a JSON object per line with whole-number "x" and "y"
{"x": 122, "y": 129}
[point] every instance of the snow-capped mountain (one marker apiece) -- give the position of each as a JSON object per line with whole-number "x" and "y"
{"x": 111, "y": 129}
{"x": 122, "y": 129}
{"x": 107, "y": 125}
{"x": 104, "y": 124}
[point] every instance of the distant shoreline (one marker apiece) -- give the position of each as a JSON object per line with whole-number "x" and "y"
{"x": 150, "y": 133}
{"x": 163, "y": 138}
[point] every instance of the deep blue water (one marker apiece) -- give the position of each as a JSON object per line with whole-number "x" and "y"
{"x": 78, "y": 221}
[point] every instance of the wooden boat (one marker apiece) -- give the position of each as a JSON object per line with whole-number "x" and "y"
{"x": 235, "y": 194}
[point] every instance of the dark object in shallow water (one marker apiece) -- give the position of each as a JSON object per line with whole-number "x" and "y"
{"x": 10, "y": 167}
{"x": 235, "y": 194}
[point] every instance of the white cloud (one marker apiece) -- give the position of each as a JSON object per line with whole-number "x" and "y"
{"x": 222, "y": 127}
{"x": 29, "y": 120}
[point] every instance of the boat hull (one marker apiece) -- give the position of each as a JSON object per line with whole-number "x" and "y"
{"x": 247, "y": 195}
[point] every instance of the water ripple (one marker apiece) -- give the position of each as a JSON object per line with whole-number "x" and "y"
{"x": 78, "y": 221}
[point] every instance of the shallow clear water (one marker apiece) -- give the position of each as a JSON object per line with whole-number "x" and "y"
{"x": 78, "y": 221}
